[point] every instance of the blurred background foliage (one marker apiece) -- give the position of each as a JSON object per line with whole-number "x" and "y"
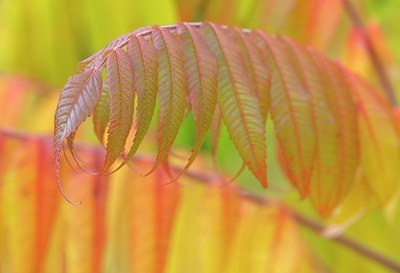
{"x": 41, "y": 42}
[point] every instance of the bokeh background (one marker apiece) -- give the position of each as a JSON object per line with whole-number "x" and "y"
{"x": 130, "y": 224}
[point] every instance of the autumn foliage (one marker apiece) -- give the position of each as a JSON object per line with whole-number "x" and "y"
{"x": 330, "y": 124}
{"x": 264, "y": 138}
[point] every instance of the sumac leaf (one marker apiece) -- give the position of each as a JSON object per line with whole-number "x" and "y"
{"x": 120, "y": 80}
{"x": 237, "y": 102}
{"x": 77, "y": 101}
{"x": 171, "y": 91}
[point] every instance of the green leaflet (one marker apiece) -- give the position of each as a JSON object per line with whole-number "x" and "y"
{"x": 237, "y": 102}
{"x": 77, "y": 101}
{"x": 101, "y": 115}
{"x": 121, "y": 95}
{"x": 171, "y": 91}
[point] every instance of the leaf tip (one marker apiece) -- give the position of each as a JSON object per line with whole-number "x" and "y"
{"x": 63, "y": 193}
{"x": 57, "y": 148}
{"x": 262, "y": 178}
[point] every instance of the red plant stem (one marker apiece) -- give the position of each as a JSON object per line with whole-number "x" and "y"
{"x": 354, "y": 17}
{"x": 147, "y": 32}
{"x": 376, "y": 61}
{"x": 210, "y": 178}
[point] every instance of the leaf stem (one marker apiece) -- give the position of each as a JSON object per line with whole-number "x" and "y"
{"x": 374, "y": 57}
{"x": 210, "y": 178}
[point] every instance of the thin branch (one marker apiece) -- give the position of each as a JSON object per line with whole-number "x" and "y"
{"x": 210, "y": 178}
{"x": 19, "y": 135}
{"x": 376, "y": 61}
{"x": 348, "y": 243}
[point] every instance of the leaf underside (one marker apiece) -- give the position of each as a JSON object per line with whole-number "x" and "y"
{"x": 120, "y": 79}
{"x": 77, "y": 101}
{"x": 328, "y": 122}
